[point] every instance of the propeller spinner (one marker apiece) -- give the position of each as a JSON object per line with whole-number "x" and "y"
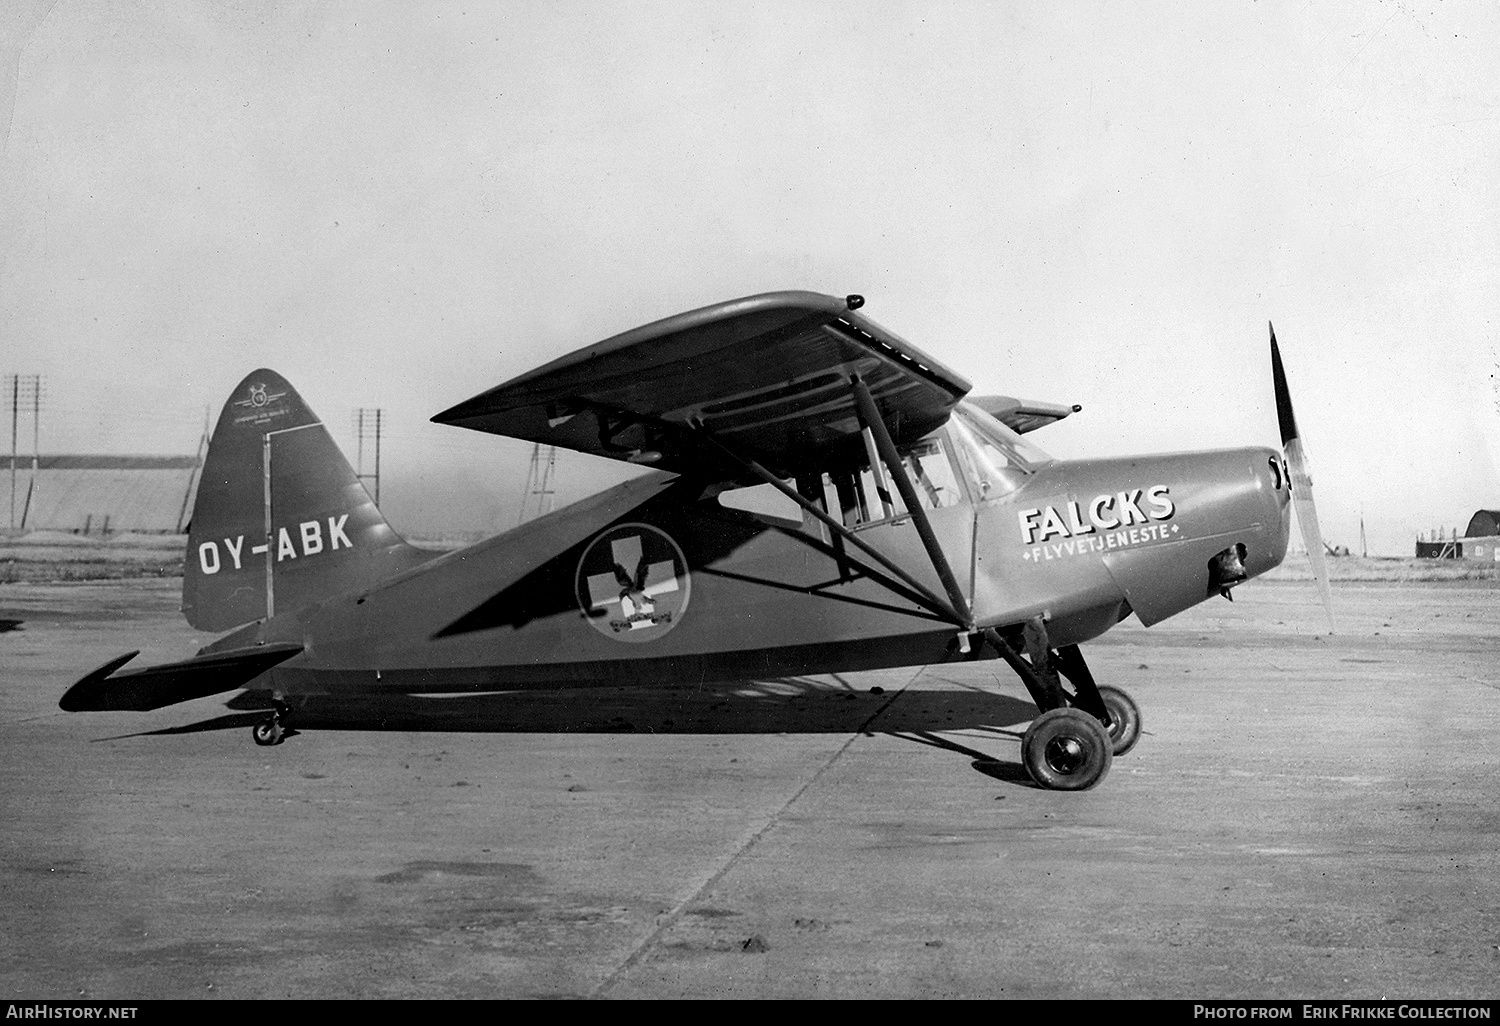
{"x": 1302, "y": 497}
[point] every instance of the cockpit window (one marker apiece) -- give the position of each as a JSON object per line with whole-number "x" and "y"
{"x": 931, "y": 474}
{"x": 858, "y": 494}
{"x": 972, "y": 457}
{"x": 997, "y": 459}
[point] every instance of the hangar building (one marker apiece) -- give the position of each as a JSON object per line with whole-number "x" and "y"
{"x": 1481, "y": 540}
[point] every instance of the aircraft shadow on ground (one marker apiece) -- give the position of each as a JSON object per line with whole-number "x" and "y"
{"x": 783, "y": 706}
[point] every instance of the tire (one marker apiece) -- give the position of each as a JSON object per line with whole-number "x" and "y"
{"x": 1124, "y": 719}
{"x": 268, "y": 732}
{"x": 1066, "y": 750}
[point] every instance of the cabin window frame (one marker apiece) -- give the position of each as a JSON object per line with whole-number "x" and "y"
{"x": 975, "y": 432}
{"x": 849, "y": 493}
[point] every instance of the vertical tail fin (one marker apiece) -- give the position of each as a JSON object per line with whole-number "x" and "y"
{"x": 281, "y": 520}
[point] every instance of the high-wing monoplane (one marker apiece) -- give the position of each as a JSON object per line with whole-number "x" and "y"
{"x": 825, "y": 497}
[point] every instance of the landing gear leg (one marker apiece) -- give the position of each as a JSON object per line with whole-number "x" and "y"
{"x": 1046, "y": 698}
{"x": 1064, "y": 749}
{"x": 1039, "y": 654}
{"x": 272, "y": 730}
{"x": 1112, "y": 706}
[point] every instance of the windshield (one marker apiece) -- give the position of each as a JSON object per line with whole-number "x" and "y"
{"x": 1001, "y": 437}
{"x": 998, "y": 460}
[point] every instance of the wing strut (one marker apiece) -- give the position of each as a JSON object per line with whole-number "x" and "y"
{"x": 922, "y": 594}
{"x": 872, "y": 420}
{"x": 956, "y": 608}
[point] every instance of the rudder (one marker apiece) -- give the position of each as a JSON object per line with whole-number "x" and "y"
{"x": 279, "y": 539}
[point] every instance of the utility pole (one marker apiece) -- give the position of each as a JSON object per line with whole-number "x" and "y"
{"x": 368, "y": 424}
{"x": 539, "y": 481}
{"x": 15, "y": 405}
{"x": 182, "y": 514}
{"x": 36, "y": 444}
{"x": 24, "y": 387}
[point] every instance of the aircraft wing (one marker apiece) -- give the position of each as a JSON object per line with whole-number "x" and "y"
{"x": 767, "y": 375}
{"x": 155, "y": 686}
{"x": 1022, "y": 415}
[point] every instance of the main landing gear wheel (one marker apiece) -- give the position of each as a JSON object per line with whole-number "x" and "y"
{"x": 268, "y": 731}
{"x": 1124, "y": 719}
{"x": 1066, "y": 750}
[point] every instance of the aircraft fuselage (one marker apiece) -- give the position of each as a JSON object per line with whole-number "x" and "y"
{"x": 650, "y": 581}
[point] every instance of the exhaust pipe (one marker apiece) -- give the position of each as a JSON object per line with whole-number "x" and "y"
{"x": 1227, "y": 569}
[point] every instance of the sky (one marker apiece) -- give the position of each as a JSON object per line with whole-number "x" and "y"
{"x": 401, "y": 205}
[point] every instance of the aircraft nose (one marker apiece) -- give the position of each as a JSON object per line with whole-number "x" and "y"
{"x": 1274, "y": 484}
{"x": 1198, "y": 522}
{"x": 1256, "y": 505}
{"x": 1233, "y": 519}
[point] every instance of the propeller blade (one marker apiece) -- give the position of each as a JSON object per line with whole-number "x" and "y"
{"x": 1302, "y": 497}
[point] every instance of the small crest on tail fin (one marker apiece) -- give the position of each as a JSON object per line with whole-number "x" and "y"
{"x": 281, "y": 521}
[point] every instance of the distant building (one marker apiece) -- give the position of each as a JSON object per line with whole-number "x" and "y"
{"x": 1438, "y": 548}
{"x": 1484, "y": 524}
{"x": 98, "y": 494}
{"x": 1480, "y": 541}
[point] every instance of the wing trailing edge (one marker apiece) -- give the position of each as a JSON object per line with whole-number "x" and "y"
{"x": 153, "y": 687}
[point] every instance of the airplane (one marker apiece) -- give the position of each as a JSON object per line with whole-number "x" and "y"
{"x": 822, "y": 497}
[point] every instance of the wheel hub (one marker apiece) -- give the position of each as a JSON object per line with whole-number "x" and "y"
{"x": 1064, "y": 754}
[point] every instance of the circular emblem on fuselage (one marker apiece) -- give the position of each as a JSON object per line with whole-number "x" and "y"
{"x": 633, "y": 583}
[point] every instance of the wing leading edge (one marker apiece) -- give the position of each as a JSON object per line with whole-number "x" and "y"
{"x": 768, "y": 374}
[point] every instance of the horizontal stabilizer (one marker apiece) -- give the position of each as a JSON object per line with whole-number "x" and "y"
{"x": 169, "y": 683}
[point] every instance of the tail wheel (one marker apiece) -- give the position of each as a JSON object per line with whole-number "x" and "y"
{"x": 1124, "y": 719}
{"x": 1066, "y": 750}
{"x": 268, "y": 731}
